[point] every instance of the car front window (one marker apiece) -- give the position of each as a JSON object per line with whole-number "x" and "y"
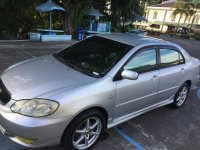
{"x": 143, "y": 62}
{"x": 94, "y": 56}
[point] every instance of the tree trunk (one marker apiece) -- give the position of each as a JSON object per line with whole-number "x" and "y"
{"x": 68, "y": 23}
{"x": 193, "y": 20}
{"x": 185, "y": 18}
{"x": 68, "y": 18}
{"x": 178, "y": 25}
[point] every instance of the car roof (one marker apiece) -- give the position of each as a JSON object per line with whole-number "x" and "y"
{"x": 134, "y": 40}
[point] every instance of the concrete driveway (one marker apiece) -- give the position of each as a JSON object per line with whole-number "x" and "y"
{"x": 161, "y": 129}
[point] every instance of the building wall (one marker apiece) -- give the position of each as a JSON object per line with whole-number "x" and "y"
{"x": 161, "y": 15}
{"x": 164, "y": 15}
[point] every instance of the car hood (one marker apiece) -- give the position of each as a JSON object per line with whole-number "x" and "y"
{"x": 39, "y": 76}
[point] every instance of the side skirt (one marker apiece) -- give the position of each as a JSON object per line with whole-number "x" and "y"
{"x": 117, "y": 121}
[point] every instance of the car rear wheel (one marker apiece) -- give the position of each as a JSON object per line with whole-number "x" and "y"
{"x": 181, "y": 96}
{"x": 84, "y": 132}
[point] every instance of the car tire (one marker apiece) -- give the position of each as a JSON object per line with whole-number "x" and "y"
{"x": 181, "y": 96}
{"x": 84, "y": 131}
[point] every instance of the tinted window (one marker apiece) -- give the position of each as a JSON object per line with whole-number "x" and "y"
{"x": 94, "y": 56}
{"x": 143, "y": 62}
{"x": 170, "y": 58}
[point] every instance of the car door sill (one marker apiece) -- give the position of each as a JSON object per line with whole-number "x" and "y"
{"x": 139, "y": 112}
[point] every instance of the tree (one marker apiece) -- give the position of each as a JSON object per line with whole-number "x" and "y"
{"x": 100, "y": 5}
{"x": 18, "y": 17}
{"x": 194, "y": 5}
{"x": 153, "y": 2}
{"x": 183, "y": 9}
{"x": 123, "y": 11}
{"x": 75, "y": 10}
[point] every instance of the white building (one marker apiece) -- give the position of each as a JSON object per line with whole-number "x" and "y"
{"x": 160, "y": 17}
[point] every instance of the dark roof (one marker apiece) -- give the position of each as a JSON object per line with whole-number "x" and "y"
{"x": 49, "y": 6}
{"x": 170, "y": 4}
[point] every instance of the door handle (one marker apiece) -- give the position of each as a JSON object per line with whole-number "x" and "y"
{"x": 155, "y": 77}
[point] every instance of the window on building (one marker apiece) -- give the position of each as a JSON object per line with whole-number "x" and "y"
{"x": 197, "y": 18}
{"x": 173, "y": 17}
{"x": 188, "y": 19}
{"x": 155, "y": 15}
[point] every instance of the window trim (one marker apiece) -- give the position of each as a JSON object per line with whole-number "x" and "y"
{"x": 169, "y": 48}
{"x": 118, "y": 77}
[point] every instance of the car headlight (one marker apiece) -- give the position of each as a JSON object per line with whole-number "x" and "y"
{"x": 35, "y": 107}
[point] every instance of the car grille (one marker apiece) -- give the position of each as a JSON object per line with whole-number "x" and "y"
{"x": 5, "y": 96}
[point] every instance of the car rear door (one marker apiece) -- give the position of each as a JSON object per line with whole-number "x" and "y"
{"x": 133, "y": 95}
{"x": 172, "y": 70}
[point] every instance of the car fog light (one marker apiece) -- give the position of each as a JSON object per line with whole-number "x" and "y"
{"x": 25, "y": 140}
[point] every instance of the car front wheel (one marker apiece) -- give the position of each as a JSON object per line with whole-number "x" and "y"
{"x": 84, "y": 132}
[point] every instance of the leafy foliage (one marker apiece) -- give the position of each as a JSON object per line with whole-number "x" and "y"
{"x": 153, "y": 2}
{"x": 183, "y": 9}
{"x": 194, "y": 5}
{"x": 18, "y": 17}
{"x": 75, "y": 11}
{"x": 123, "y": 11}
{"x": 188, "y": 8}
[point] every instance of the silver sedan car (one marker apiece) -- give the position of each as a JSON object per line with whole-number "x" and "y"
{"x": 72, "y": 96}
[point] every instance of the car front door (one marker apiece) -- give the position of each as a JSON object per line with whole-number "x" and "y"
{"x": 172, "y": 71}
{"x": 133, "y": 95}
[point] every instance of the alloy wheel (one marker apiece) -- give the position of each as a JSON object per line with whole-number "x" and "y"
{"x": 87, "y": 133}
{"x": 182, "y": 96}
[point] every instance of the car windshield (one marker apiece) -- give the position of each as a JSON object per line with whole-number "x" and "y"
{"x": 94, "y": 56}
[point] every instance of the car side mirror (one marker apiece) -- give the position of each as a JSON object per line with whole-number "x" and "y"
{"x": 130, "y": 75}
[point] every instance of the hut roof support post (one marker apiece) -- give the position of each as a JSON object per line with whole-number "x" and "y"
{"x": 50, "y": 20}
{"x": 90, "y": 23}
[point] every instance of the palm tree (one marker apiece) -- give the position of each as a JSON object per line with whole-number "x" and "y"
{"x": 183, "y": 9}
{"x": 194, "y": 5}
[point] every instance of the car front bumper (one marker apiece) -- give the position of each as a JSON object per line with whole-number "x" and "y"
{"x": 43, "y": 131}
